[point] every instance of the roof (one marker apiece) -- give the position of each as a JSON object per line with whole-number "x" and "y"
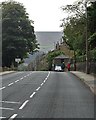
{"x": 62, "y": 57}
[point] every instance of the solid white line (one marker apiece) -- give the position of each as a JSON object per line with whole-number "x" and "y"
{"x": 1, "y": 108}
{"x": 10, "y": 102}
{"x": 16, "y": 81}
{"x": 2, "y": 88}
{"x": 13, "y": 116}
{"x": 32, "y": 94}
{"x": 37, "y": 88}
{"x": 22, "y": 106}
{"x": 10, "y": 84}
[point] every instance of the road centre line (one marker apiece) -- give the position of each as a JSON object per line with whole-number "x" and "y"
{"x": 2, "y": 88}
{"x": 42, "y": 84}
{"x": 32, "y": 94}
{"x": 44, "y": 81}
{"x": 38, "y": 88}
{"x": 13, "y": 116}
{"x": 1, "y": 108}
{"x": 10, "y": 84}
{"x": 22, "y": 106}
{"x": 10, "y": 102}
{"x": 21, "y": 78}
{"x": 16, "y": 81}
{"x": 25, "y": 76}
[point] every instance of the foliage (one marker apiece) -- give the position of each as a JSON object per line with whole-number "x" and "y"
{"x": 18, "y": 35}
{"x": 51, "y": 56}
{"x": 74, "y": 26}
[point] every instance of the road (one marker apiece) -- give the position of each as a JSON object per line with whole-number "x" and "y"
{"x": 46, "y": 94}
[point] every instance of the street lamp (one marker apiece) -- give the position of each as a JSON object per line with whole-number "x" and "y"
{"x": 87, "y": 61}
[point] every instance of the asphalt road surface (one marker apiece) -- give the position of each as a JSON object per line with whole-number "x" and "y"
{"x": 45, "y": 95}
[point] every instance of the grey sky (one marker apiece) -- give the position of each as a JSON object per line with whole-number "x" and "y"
{"x": 46, "y": 14}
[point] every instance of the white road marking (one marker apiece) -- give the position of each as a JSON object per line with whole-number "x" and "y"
{"x": 13, "y": 116}
{"x": 2, "y": 117}
{"x": 10, "y": 102}
{"x": 37, "y": 88}
{"x": 28, "y": 75}
{"x": 44, "y": 81}
{"x": 16, "y": 81}
{"x": 1, "y": 108}
{"x": 25, "y": 76}
{"x": 22, "y": 106}
{"x": 10, "y": 84}
{"x": 21, "y": 78}
{"x": 32, "y": 94}
{"x": 2, "y": 88}
{"x": 42, "y": 84}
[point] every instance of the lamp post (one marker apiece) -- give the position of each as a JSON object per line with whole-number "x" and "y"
{"x": 87, "y": 65}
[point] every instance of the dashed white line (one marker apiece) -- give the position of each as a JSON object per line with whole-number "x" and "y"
{"x": 25, "y": 76}
{"x": 21, "y": 78}
{"x": 2, "y": 88}
{"x": 44, "y": 81}
{"x": 16, "y": 81}
{"x": 37, "y": 88}
{"x": 22, "y": 106}
{"x": 1, "y": 108}
{"x": 42, "y": 84}
{"x": 10, "y": 84}
{"x": 13, "y": 116}
{"x": 32, "y": 94}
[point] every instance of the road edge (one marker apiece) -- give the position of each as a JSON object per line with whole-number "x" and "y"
{"x": 90, "y": 87}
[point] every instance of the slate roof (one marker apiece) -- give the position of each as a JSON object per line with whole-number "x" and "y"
{"x": 62, "y": 57}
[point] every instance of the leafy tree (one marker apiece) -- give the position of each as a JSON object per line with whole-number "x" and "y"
{"x": 75, "y": 26}
{"x": 51, "y": 56}
{"x": 18, "y": 35}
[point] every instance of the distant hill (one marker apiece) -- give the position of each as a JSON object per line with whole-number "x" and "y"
{"x": 47, "y": 40}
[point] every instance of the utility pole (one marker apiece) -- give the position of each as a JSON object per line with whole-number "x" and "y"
{"x": 87, "y": 61}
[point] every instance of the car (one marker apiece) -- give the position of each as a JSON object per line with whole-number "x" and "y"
{"x": 58, "y": 68}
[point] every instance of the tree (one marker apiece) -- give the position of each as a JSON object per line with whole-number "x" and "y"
{"x": 51, "y": 55}
{"x": 75, "y": 25}
{"x": 18, "y": 35}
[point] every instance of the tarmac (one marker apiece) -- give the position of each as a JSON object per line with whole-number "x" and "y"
{"x": 88, "y": 79}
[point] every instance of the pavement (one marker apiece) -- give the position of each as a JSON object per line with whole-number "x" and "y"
{"x": 88, "y": 79}
{"x": 6, "y": 72}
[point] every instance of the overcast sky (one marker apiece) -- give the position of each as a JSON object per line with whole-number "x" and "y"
{"x": 46, "y": 14}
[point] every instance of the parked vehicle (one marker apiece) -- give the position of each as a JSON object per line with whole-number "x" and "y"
{"x": 58, "y": 68}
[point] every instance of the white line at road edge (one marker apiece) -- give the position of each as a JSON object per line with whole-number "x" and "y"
{"x": 24, "y": 104}
{"x": 13, "y": 116}
{"x": 32, "y": 94}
